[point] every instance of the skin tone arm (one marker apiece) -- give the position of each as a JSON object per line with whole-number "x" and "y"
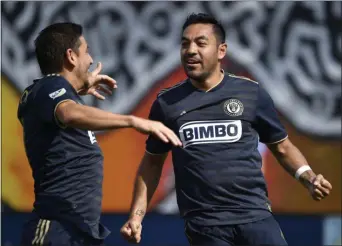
{"x": 71, "y": 114}
{"x": 146, "y": 183}
{"x": 291, "y": 159}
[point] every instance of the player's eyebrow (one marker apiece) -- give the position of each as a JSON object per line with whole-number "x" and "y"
{"x": 196, "y": 39}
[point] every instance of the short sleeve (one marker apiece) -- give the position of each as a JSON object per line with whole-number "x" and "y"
{"x": 267, "y": 122}
{"x": 153, "y": 144}
{"x": 50, "y": 95}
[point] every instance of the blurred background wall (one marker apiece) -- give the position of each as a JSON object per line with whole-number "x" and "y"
{"x": 292, "y": 48}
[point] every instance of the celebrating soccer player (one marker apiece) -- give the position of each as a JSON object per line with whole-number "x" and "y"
{"x": 220, "y": 118}
{"x": 66, "y": 161}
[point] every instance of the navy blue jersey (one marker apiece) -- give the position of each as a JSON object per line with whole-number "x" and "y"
{"x": 67, "y": 163}
{"x": 218, "y": 169}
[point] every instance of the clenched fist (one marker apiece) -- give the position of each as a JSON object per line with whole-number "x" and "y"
{"x": 319, "y": 188}
{"x": 131, "y": 231}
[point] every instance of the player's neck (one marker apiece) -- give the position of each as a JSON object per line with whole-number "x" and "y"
{"x": 209, "y": 83}
{"x": 72, "y": 79}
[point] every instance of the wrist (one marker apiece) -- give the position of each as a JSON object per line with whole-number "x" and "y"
{"x": 302, "y": 170}
{"x": 137, "y": 215}
{"x": 306, "y": 178}
{"x": 131, "y": 120}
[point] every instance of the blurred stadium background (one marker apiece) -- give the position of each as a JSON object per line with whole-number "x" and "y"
{"x": 292, "y": 48}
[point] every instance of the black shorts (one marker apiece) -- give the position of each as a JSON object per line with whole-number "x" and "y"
{"x": 54, "y": 233}
{"x": 261, "y": 232}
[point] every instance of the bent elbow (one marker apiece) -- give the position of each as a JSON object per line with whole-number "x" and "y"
{"x": 281, "y": 148}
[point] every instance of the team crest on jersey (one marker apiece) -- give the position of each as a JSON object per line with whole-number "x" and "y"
{"x": 233, "y": 107}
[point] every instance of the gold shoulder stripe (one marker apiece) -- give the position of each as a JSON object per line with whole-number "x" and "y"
{"x": 242, "y": 77}
{"x": 170, "y": 88}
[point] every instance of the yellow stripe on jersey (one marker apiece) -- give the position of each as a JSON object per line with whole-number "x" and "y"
{"x": 242, "y": 77}
{"x": 41, "y": 231}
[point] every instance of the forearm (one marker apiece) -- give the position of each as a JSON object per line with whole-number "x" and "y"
{"x": 90, "y": 118}
{"x": 291, "y": 159}
{"x": 146, "y": 183}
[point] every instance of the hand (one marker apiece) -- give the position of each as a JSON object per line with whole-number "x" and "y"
{"x": 320, "y": 188}
{"x": 98, "y": 82}
{"x": 131, "y": 231}
{"x": 157, "y": 129}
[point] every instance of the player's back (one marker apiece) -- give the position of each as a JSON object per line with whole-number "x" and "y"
{"x": 67, "y": 163}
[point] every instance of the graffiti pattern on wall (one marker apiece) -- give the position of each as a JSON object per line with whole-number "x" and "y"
{"x": 293, "y": 49}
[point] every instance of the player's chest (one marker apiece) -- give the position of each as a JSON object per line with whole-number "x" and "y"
{"x": 223, "y": 120}
{"x": 221, "y": 111}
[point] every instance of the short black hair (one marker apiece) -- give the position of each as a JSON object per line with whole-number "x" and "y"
{"x": 52, "y": 43}
{"x": 202, "y": 18}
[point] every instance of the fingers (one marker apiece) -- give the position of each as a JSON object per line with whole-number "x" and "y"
{"x": 318, "y": 179}
{"x": 161, "y": 136}
{"x": 321, "y": 187}
{"x": 136, "y": 231}
{"x": 317, "y": 195}
{"x": 166, "y": 135}
{"x": 325, "y": 183}
{"x": 132, "y": 232}
{"x": 320, "y": 190}
{"x": 104, "y": 90}
{"x": 98, "y": 95}
{"x": 97, "y": 69}
{"x": 105, "y": 79}
{"x": 95, "y": 78}
{"x": 126, "y": 232}
{"x": 172, "y": 136}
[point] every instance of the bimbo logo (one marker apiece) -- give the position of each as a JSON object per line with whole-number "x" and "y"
{"x": 203, "y": 132}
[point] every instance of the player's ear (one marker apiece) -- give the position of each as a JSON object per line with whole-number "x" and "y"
{"x": 71, "y": 57}
{"x": 222, "y": 50}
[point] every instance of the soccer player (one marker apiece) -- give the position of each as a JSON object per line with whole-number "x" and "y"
{"x": 220, "y": 118}
{"x": 66, "y": 160}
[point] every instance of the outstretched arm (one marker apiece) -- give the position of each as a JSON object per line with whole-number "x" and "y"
{"x": 69, "y": 113}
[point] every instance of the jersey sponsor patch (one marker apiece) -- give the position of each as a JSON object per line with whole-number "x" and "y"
{"x": 57, "y": 93}
{"x": 207, "y": 132}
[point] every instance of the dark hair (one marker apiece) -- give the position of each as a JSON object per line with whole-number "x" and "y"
{"x": 52, "y": 43}
{"x": 206, "y": 19}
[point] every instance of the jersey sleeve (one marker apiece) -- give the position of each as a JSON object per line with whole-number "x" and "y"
{"x": 49, "y": 96}
{"x": 267, "y": 122}
{"x": 153, "y": 144}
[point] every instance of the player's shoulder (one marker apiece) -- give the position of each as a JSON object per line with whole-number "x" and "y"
{"x": 53, "y": 84}
{"x": 173, "y": 90}
{"x": 242, "y": 79}
{"x": 51, "y": 80}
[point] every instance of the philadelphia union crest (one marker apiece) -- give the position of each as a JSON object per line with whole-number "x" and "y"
{"x": 233, "y": 107}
